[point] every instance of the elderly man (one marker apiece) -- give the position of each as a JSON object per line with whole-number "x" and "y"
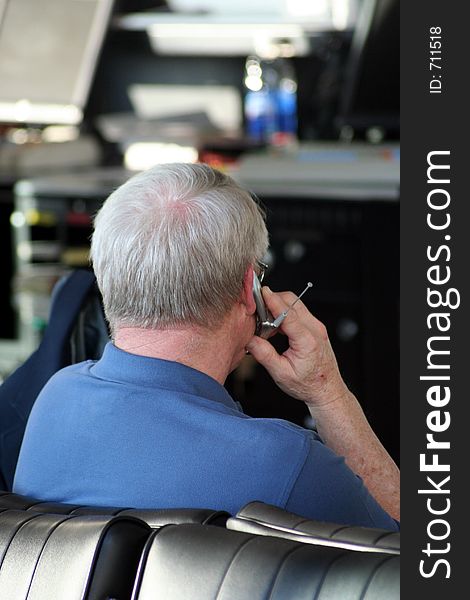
{"x": 175, "y": 250}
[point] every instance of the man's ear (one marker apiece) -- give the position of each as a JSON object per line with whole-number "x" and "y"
{"x": 247, "y": 293}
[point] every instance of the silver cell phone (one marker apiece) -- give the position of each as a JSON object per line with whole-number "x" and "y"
{"x": 265, "y": 322}
{"x": 264, "y": 319}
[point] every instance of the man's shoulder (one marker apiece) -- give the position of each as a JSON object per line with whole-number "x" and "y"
{"x": 286, "y": 438}
{"x": 281, "y": 427}
{"x": 81, "y": 368}
{"x": 62, "y": 379}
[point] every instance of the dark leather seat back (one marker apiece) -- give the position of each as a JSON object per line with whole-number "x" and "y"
{"x": 264, "y": 519}
{"x": 157, "y": 518}
{"x": 59, "y": 556}
{"x": 154, "y": 517}
{"x": 59, "y": 551}
{"x": 201, "y": 562}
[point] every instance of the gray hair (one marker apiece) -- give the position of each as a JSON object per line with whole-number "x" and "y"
{"x": 172, "y": 244}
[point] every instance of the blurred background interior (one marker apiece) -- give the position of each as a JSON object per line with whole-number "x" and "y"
{"x": 296, "y": 99}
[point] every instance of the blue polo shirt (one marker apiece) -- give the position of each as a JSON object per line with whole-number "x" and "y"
{"x": 141, "y": 432}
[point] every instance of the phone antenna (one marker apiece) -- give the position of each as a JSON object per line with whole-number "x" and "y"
{"x": 283, "y": 315}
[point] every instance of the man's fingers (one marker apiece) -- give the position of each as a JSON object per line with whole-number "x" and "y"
{"x": 298, "y": 318}
{"x": 293, "y": 325}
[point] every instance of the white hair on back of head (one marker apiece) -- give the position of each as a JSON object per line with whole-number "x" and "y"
{"x": 172, "y": 244}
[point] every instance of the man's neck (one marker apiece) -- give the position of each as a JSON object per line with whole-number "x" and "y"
{"x": 209, "y": 351}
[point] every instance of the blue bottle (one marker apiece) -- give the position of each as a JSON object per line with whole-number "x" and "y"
{"x": 270, "y": 102}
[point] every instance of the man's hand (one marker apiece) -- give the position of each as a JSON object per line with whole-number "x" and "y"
{"x": 307, "y": 370}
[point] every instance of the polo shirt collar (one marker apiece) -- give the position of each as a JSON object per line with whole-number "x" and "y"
{"x": 123, "y": 367}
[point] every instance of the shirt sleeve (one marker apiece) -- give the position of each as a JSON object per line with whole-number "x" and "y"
{"x": 327, "y": 490}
